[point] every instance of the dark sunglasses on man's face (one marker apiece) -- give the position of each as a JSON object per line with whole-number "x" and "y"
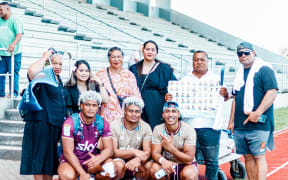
{"x": 246, "y": 53}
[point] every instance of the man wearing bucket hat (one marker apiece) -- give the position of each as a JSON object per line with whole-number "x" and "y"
{"x": 11, "y": 32}
{"x": 173, "y": 146}
{"x": 252, "y": 120}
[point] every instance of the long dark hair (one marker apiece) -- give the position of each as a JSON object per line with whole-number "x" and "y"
{"x": 140, "y": 63}
{"x": 73, "y": 79}
{"x": 153, "y": 42}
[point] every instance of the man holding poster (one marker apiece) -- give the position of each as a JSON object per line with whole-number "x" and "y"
{"x": 201, "y": 99}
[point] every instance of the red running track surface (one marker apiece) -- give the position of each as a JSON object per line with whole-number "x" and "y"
{"x": 277, "y": 160}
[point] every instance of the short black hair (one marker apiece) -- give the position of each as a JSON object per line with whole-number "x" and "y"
{"x": 200, "y": 51}
{"x": 114, "y": 49}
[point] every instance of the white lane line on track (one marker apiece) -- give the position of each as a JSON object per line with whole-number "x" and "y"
{"x": 280, "y": 132}
{"x": 277, "y": 169}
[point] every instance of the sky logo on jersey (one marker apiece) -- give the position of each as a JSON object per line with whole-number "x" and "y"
{"x": 86, "y": 146}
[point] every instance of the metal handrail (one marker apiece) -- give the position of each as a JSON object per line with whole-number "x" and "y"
{"x": 10, "y": 74}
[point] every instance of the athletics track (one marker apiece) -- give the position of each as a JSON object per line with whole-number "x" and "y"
{"x": 277, "y": 159}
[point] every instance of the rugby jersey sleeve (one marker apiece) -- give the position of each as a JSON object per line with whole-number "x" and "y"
{"x": 113, "y": 127}
{"x": 68, "y": 128}
{"x": 147, "y": 133}
{"x": 190, "y": 136}
{"x": 106, "y": 130}
{"x": 156, "y": 138}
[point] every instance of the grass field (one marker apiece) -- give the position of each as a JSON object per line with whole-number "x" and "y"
{"x": 281, "y": 118}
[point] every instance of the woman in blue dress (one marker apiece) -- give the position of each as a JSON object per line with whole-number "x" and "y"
{"x": 152, "y": 78}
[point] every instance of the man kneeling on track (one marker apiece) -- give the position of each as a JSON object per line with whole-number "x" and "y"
{"x": 132, "y": 141}
{"x": 80, "y": 135}
{"x": 173, "y": 147}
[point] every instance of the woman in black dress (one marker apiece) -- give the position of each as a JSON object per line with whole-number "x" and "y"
{"x": 80, "y": 81}
{"x": 152, "y": 78}
{"x": 43, "y": 128}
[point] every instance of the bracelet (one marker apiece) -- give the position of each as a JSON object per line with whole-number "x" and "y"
{"x": 161, "y": 159}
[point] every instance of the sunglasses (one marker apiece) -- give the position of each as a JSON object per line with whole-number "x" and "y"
{"x": 246, "y": 53}
{"x": 56, "y": 52}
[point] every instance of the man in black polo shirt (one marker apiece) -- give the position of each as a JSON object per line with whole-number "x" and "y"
{"x": 255, "y": 88}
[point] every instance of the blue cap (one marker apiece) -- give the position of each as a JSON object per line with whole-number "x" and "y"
{"x": 4, "y": 3}
{"x": 171, "y": 104}
{"x": 245, "y": 45}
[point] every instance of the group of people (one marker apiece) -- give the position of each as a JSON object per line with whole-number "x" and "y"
{"x": 107, "y": 131}
{"x": 114, "y": 84}
{"x": 127, "y": 144}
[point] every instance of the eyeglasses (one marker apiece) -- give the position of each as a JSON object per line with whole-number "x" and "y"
{"x": 246, "y": 53}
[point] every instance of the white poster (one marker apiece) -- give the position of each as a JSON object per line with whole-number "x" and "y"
{"x": 197, "y": 99}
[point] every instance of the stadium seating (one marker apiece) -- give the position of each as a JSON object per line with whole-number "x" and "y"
{"x": 87, "y": 31}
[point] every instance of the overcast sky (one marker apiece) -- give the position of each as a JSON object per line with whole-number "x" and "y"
{"x": 262, "y": 22}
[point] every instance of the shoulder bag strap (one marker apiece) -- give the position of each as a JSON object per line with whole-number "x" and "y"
{"x": 110, "y": 80}
{"x": 118, "y": 97}
{"x": 148, "y": 76}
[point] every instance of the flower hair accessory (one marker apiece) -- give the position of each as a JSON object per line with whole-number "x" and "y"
{"x": 74, "y": 68}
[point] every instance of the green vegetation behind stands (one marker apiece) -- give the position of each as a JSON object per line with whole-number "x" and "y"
{"x": 281, "y": 118}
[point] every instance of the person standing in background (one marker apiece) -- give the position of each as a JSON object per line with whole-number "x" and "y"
{"x": 11, "y": 32}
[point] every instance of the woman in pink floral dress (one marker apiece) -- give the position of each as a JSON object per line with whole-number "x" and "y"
{"x": 122, "y": 80}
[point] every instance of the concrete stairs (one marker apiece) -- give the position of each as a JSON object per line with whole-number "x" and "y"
{"x": 11, "y": 129}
